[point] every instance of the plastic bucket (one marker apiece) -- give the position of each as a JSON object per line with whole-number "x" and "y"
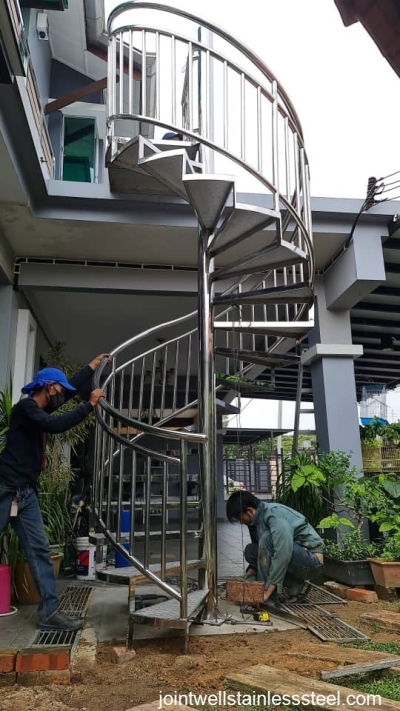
{"x": 120, "y": 561}
{"x": 85, "y": 559}
{"x": 125, "y": 526}
{"x": 5, "y": 589}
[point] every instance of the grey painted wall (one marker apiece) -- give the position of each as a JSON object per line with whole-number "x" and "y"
{"x": 64, "y": 80}
{"x": 10, "y": 302}
{"x": 41, "y": 59}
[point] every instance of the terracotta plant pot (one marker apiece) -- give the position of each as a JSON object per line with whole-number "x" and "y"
{"x": 25, "y": 590}
{"x": 386, "y": 574}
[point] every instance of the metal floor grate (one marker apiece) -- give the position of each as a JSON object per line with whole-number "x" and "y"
{"x": 320, "y": 596}
{"x": 54, "y": 639}
{"x": 74, "y": 600}
{"x": 324, "y": 624}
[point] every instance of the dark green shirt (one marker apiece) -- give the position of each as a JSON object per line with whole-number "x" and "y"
{"x": 287, "y": 526}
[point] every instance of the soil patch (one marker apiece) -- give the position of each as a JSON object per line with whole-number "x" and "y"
{"x": 160, "y": 666}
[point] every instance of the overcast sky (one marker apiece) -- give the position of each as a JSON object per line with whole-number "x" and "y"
{"x": 346, "y": 95}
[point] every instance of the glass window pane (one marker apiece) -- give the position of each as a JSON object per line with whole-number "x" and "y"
{"x": 79, "y": 149}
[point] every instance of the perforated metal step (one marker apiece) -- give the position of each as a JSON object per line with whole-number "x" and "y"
{"x": 169, "y": 611}
{"x": 320, "y": 596}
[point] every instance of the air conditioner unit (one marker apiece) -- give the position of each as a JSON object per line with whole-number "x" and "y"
{"x": 42, "y": 26}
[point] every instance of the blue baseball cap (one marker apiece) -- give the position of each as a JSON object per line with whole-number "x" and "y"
{"x": 47, "y": 376}
{"x": 171, "y": 136}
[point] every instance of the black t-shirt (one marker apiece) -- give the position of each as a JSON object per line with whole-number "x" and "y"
{"x": 22, "y": 457}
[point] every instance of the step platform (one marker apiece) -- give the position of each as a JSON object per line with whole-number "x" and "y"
{"x": 167, "y": 614}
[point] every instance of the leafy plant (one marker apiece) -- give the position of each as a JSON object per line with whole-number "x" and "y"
{"x": 305, "y": 497}
{"x": 391, "y": 549}
{"x": 351, "y": 546}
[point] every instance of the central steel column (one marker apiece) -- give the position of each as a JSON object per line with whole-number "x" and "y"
{"x": 207, "y": 419}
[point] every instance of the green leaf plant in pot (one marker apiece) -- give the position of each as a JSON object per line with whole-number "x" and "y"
{"x": 386, "y": 566}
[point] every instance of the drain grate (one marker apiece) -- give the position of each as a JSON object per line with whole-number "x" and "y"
{"x": 74, "y": 600}
{"x": 54, "y": 639}
{"x": 319, "y": 596}
{"x": 324, "y": 624}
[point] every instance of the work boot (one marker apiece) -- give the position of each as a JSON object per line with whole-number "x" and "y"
{"x": 59, "y": 622}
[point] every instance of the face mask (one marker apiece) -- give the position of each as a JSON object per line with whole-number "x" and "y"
{"x": 56, "y": 401}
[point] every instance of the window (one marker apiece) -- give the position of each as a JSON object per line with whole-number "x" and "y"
{"x": 80, "y": 150}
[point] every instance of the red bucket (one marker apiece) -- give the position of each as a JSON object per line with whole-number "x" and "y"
{"x": 5, "y": 589}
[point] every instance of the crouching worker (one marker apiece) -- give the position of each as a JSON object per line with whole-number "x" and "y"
{"x": 21, "y": 462}
{"x": 285, "y": 550}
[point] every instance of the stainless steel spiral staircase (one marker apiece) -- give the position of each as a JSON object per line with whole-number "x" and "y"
{"x": 169, "y": 70}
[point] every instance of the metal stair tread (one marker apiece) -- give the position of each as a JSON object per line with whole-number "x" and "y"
{"x": 169, "y": 167}
{"x": 191, "y": 147}
{"x": 262, "y": 261}
{"x": 243, "y": 222}
{"x": 286, "y": 329}
{"x": 208, "y": 195}
{"x": 170, "y": 609}
{"x": 257, "y": 357}
{"x": 290, "y": 294}
{"x": 131, "y": 152}
{"x": 130, "y": 572}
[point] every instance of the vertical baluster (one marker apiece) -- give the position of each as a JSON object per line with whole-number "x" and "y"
{"x": 275, "y": 147}
{"x": 225, "y": 105}
{"x": 111, "y": 78}
{"x": 164, "y": 510}
{"x": 97, "y": 464}
{"x": 175, "y": 391}
{"x": 105, "y": 439}
{"x": 189, "y": 356}
{"x": 111, "y": 450}
{"x": 121, "y": 72}
{"x": 147, "y": 513}
{"x": 130, "y": 392}
{"x": 153, "y": 381}
{"x": 133, "y": 502}
{"x": 207, "y": 96}
{"x": 285, "y": 281}
{"x": 141, "y": 388}
{"x": 227, "y": 342}
{"x": 296, "y": 173}
{"x": 287, "y": 159}
{"x": 190, "y": 85}
{"x": 259, "y": 131}
{"x": 164, "y": 381}
{"x": 158, "y": 106}
{"x": 241, "y": 335}
{"x": 265, "y": 311}
{"x": 242, "y": 117}
{"x": 183, "y": 529}
{"x": 144, "y": 75}
{"x": 276, "y": 306}
{"x": 130, "y": 74}
{"x": 253, "y": 335}
{"x": 173, "y": 78}
{"x": 121, "y": 455}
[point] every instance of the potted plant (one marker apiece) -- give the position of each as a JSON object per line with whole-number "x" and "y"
{"x": 347, "y": 561}
{"x": 386, "y": 566}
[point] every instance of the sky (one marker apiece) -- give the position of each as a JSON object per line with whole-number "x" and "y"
{"x": 346, "y": 95}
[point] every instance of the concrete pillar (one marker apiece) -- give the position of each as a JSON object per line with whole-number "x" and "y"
{"x": 331, "y": 358}
{"x": 25, "y": 344}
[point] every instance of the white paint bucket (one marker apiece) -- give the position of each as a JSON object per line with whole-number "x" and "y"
{"x": 85, "y": 559}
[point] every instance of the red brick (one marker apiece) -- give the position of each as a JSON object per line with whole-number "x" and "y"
{"x": 36, "y": 660}
{"x": 7, "y": 660}
{"x": 337, "y": 589}
{"x": 360, "y": 595}
{"x": 8, "y": 679}
{"x": 43, "y": 678}
{"x": 242, "y": 591}
{"x": 121, "y": 655}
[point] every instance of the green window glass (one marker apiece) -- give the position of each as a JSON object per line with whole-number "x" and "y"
{"x": 79, "y": 149}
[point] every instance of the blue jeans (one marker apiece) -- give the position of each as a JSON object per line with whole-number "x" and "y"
{"x": 28, "y": 525}
{"x": 303, "y": 564}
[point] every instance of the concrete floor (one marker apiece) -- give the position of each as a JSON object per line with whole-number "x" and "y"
{"x": 108, "y": 610}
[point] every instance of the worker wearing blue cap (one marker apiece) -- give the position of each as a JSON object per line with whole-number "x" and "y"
{"x": 21, "y": 462}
